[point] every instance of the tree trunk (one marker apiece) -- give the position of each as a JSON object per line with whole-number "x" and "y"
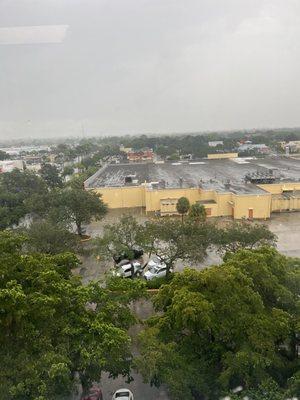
{"x": 79, "y": 229}
{"x": 85, "y": 384}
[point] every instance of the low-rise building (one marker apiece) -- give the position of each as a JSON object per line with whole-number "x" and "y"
{"x": 259, "y": 148}
{"x": 140, "y": 155}
{"x": 237, "y": 187}
{"x": 215, "y": 143}
{"x": 10, "y": 165}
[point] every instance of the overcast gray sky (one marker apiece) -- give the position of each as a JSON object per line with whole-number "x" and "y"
{"x": 137, "y": 66}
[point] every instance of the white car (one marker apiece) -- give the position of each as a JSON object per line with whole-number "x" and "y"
{"x": 125, "y": 271}
{"x": 155, "y": 261}
{"x": 123, "y": 394}
{"x": 155, "y": 272}
{"x": 156, "y": 269}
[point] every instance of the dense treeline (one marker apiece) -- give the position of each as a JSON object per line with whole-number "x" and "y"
{"x": 174, "y": 145}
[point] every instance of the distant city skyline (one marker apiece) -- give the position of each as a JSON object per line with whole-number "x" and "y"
{"x": 98, "y": 67}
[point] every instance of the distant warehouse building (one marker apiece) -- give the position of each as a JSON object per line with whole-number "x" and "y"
{"x": 237, "y": 187}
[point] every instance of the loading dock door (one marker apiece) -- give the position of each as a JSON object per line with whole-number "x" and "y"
{"x": 208, "y": 211}
{"x": 250, "y": 213}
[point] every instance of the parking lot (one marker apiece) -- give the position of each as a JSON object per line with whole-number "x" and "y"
{"x": 287, "y": 228}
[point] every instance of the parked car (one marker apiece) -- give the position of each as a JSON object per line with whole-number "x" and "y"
{"x": 123, "y": 394}
{"x": 95, "y": 393}
{"x": 133, "y": 268}
{"x": 155, "y": 261}
{"x": 136, "y": 253}
{"x": 155, "y": 270}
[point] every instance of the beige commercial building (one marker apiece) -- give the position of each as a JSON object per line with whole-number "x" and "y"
{"x": 237, "y": 187}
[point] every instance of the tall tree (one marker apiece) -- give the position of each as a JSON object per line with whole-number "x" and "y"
{"x": 173, "y": 241}
{"x": 78, "y": 206}
{"x": 68, "y": 170}
{"x": 45, "y": 236}
{"x": 51, "y": 176}
{"x": 16, "y": 188}
{"x": 54, "y": 330}
{"x": 237, "y": 235}
{"x": 122, "y": 237}
{"x": 226, "y": 326}
{"x": 182, "y": 206}
{"x": 4, "y": 155}
{"x": 168, "y": 238}
{"x": 197, "y": 213}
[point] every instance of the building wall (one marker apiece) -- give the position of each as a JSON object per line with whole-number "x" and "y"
{"x": 260, "y": 204}
{"x": 153, "y": 197}
{"x": 222, "y": 155}
{"x": 278, "y": 188}
{"x": 226, "y": 204}
{"x": 285, "y": 204}
{"x": 124, "y": 197}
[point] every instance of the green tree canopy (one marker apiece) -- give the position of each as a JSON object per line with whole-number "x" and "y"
{"x": 226, "y": 326}
{"x": 68, "y": 170}
{"x": 53, "y": 329}
{"x": 236, "y": 235}
{"x": 51, "y": 176}
{"x": 78, "y": 206}
{"x": 45, "y": 236}
{"x": 122, "y": 237}
{"x": 172, "y": 240}
{"x": 166, "y": 237}
{"x": 16, "y": 188}
{"x": 4, "y": 155}
{"x": 183, "y": 206}
{"x": 197, "y": 212}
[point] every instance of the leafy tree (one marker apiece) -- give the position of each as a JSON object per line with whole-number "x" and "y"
{"x": 226, "y": 326}
{"x": 172, "y": 240}
{"x": 54, "y": 330}
{"x": 68, "y": 170}
{"x": 197, "y": 213}
{"x": 122, "y": 237}
{"x": 4, "y": 155}
{"x": 163, "y": 151}
{"x": 267, "y": 390}
{"x": 167, "y": 238}
{"x": 183, "y": 206}
{"x": 45, "y": 236}
{"x": 16, "y": 188}
{"x": 79, "y": 207}
{"x": 39, "y": 205}
{"x": 77, "y": 181}
{"x": 51, "y": 176}
{"x": 237, "y": 235}
{"x": 174, "y": 157}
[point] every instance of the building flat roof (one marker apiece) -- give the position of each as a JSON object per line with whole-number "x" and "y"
{"x": 222, "y": 175}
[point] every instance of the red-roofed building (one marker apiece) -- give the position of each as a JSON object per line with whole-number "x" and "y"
{"x": 141, "y": 155}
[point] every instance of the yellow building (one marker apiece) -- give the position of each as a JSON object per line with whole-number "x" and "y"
{"x": 241, "y": 188}
{"x": 219, "y": 156}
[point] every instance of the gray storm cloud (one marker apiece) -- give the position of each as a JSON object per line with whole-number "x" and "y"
{"x": 136, "y": 66}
